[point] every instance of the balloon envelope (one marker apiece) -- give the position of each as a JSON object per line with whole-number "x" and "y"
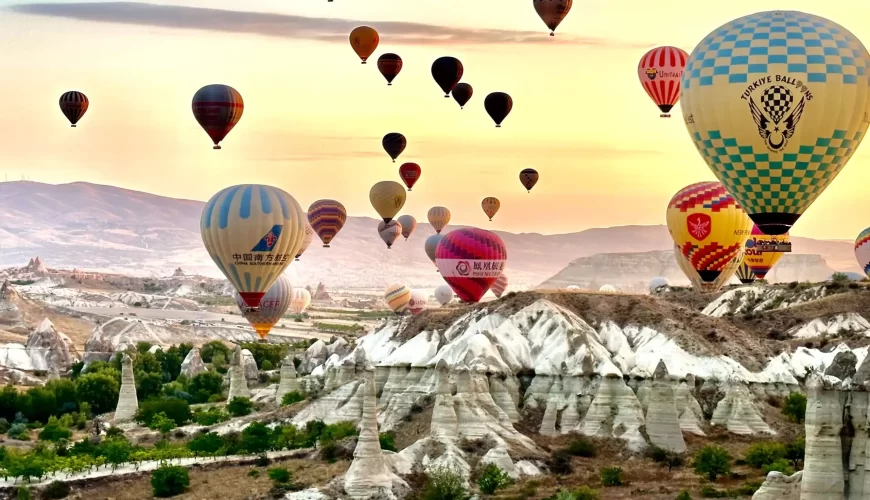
{"x": 252, "y": 232}
{"x": 387, "y": 198}
{"x": 744, "y": 273}
{"x": 447, "y": 71}
{"x": 499, "y": 286}
{"x": 608, "y": 289}
{"x": 364, "y": 40}
{"x": 498, "y": 105}
{"x": 397, "y": 297}
{"x": 462, "y": 93}
{"x": 419, "y": 301}
{"x": 658, "y": 282}
{"x": 73, "y": 105}
{"x": 217, "y": 108}
{"x": 862, "y": 250}
{"x": 660, "y": 71}
{"x": 410, "y": 174}
{"x": 762, "y": 252}
{"x": 444, "y": 294}
{"x": 327, "y": 217}
{"x": 389, "y": 231}
{"x": 306, "y": 240}
{"x": 394, "y": 143}
{"x": 490, "y": 206}
{"x": 470, "y": 260}
{"x": 273, "y": 305}
{"x": 438, "y": 217}
{"x": 300, "y": 299}
{"x": 431, "y": 245}
{"x": 389, "y": 65}
{"x": 552, "y": 12}
{"x": 529, "y": 177}
{"x": 776, "y": 104}
{"x": 409, "y": 224}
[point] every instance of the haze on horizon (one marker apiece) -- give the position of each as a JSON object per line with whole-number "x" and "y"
{"x": 314, "y": 116}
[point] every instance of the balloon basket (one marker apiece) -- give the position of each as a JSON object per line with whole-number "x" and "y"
{"x": 664, "y": 115}
{"x": 325, "y": 246}
{"x": 389, "y": 85}
{"x": 72, "y": 126}
{"x": 552, "y": 33}
{"x": 363, "y": 62}
{"x": 498, "y": 126}
{"x": 216, "y": 147}
{"x": 447, "y": 96}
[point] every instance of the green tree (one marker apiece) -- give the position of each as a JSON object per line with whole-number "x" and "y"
{"x": 54, "y": 431}
{"x": 712, "y": 461}
{"x": 148, "y": 385}
{"x": 99, "y": 390}
{"x": 148, "y": 363}
{"x": 204, "y": 385}
{"x": 170, "y": 362}
{"x": 162, "y": 423}
{"x": 143, "y": 347}
{"x": 388, "y": 441}
{"x": 794, "y": 452}
{"x": 42, "y": 405}
{"x": 240, "y": 407}
{"x": 168, "y": 481}
{"x": 761, "y": 454}
{"x": 444, "y": 484}
{"x": 205, "y": 444}
{"x": 178, "y": 410}
{"x": 492, "y": 478}
{"x": 292, "y": 397}
{"x": 795, "y": 407}
{"x": 256, "y": 438}
{"x": 64, "y": 394}
{"x": 611, "y": 476}
{"x": 117, "y": 451}
{"x": 9, "y": 402}
{"x": 210, "y": 349}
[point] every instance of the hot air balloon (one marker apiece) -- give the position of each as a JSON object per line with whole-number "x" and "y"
{"x": 658, "y": 282}
{"x": 744, "y": 273}
{"x": 710, "y": 229}
{"x": 326, "y": 217}
{"x": 444, "y": 294}
{"x": 217, "y": 109}
{"x": 447, "y": 71}
{"x": 552, "y": 12}
{"x": 775, "y": 125}
{"x": 419, "y": 301}
{"x": 410, "y": 174}
{"x": 73, "y": 105}
{"x": 438, "y": 217}
{"x": 364, "y": 41}
{"x": 660, "y": 71}
{"x": 273, "y": 305}
{"x": 490, "y": 206}
{"x": 431, "y": 245}
{"x": 862, "y": 250}
{"x": 397, "y": 297}
{"x": 608, "y": 289}
{"x": 387, "y": 197}
{"x": 529, "y": 177}
{"x": 409, "y": 224}
{"x": 470, "y": 260}
{"x": 698, "y": 283}
{"x": 389, "y": 232}
{"x": 394, "y": 143}
{"x": 762, "y": 252}
{"x": 252, "y": 232}
{"x": 498, "y": 105}
{"x": 462, "y": 92}
{"x": 389, "y": 65}
{"x": 499, "y": 286}
{"x": 300, "y": 299}
{"x": 306, "y": 240}
{"x": 572, "y": 287}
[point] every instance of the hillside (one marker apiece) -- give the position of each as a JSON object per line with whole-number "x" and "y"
{"x": 105, "y": 228}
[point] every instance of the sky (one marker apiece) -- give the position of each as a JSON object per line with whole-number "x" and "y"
{"x": 314, "y": 116}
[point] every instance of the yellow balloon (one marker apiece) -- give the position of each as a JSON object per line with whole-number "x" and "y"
{"x": 387, "y": 197}
{"x": 776, "y": 103}
{"x": 709, "y": 229}
{"x": 397, "y": 297}
{"x": 695, "y": 278}
{"x": 252, "y": 232}
{"x": 364, "y": 41}
{"x": 438, "y": 217}
{"x": 300, "y": 299}
{"x": 763, "y": 251}
{"x": 490, "y": 206}
{"x": 744, "y": 273}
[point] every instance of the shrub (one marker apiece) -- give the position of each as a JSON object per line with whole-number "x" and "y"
{"x": 266, "y": 365}
{"x": 114, "y": 431}
{"x": 794, "y": 452}
{"x": 292, "y": 398}
{"x": 388, "y": 441}
{"x": 611, "y": 476}
{"x": 168, "y": 481}
{"x": 211, "y": 416}
{"x": 19, "y": 432}
{"x": 492, "y": 478}
{"x": 708, "y": 491}
{"x": 280, "y": 475}
{"x": 665, "y": 457}
{"x": 206, "y": 444}
{"x": 56, "y": 490}
{"x": 338, "y": 431}
{"x": 560, "y": 462}
{"x": 177, "y": 410}
{"x": 712, "y": 461}
{"x": 210, "y": 349}
{"x": 4, "y": 426}
{"x": 586, "y": 493}
{"x": 444, "y": 484}
{"x": 205, "y": 385}
{"x": 795, "y": 407}
{"x": 581, "y": 448}
{"x": 23, "y": 493}
{"x": 760, "y": 455}
{"x": 256, "y": 438}
{"x": 54, "y": 431}
{"x": 782, "y": 465}
{"x": 161, "y": 423}
{"x": 240, "y": 407}
{"x": 99, "y": 389}
{"x": 332, "y": 452}
{"x": 684, "y": 495}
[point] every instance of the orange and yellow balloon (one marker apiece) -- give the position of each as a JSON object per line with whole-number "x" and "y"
{"x": 397, "y": 298}
{"x": 364, "y": 41}
{"x": 273, "y": 305}
{"x": 438, "y": 217}
{"x": 762, "y": 252}
{"x": 387, "y": 198}
{"x": 490, "y": 206}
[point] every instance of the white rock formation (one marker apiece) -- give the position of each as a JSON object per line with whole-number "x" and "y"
{"x": 445, "y": 424}
{"x": 250, "y": 365}
{"x": 689, "y": 411}
{"x": 238, "y": 382}
{"x": 14, "y": 356}
{"x": 737, "y": 412}
{"x": 662, "y": 422}
{"x": 823, "y": 464}
{"x": 49, "y": 348}
{"x": 288, "y": 382}
{"x": 615, "y": 412}
{"x": 193, "y": 364}
{"x": 778, "y": 486}
{"x": 128, "y": 403}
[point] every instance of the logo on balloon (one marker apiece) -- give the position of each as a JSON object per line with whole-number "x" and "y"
{"x": 267, "y": 242}
{"x": 651, "y": 73}
{"x": 778, "y": 115}
{"x": 463, "y": 268}
{"x": 699, "y": 226}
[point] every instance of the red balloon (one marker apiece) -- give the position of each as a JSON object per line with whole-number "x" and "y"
{"x": 659, "y": 72}
{"x": 470, "y": 260}
{"x": 410, "y": 174}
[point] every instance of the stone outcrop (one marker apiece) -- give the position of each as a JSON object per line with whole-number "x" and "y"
{"x": 778, "y": 486}
{"x": 315, "y": 356}
{"x": 662, "y": 422}
{"x": 615, "y": 412}
{"x": 288, "y": 382}
{"x": 249, "y": 364}
{"x": 737, "y": 412}
{"x": 49, "y": 348}
{"x": 193, "y": 364}
{"x": 128, "y": 403}
{"x": 321, "y": 293}
{"x": 843, "y": 366}
{"x": 238, "y": 382}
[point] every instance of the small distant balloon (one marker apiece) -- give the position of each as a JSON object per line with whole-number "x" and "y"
{"x": 660, "y": 71}
{"x": 552, "y": 12}
{"x": 390, "y": 65}
{"x": 394, "y": 143}
{"x": 498, "y": 105}
{"x": 410, "y": 174}
{"x": 364, "y": 41}
{"x": 409, "y": 224}
{"x": 300, "y": 299}
{"x": 387, "y": 198}
{"x": 73, "y": 105}
{"x": 529, "y": 177}
{"x": 438, "y": 217}
{"x": 389, "y": 232}
{"x": 444, "y": 294}
{"x": 273, "y": 305}
{"x": 499, "y": 286}
{"x": 419, "y": 301}
{"x": 397, "y": 297}
{"x": 447, "y": 71}
{"x": 431, "y": 244}
{"x": 462, "y": 92}
{"x": 217, "y": 108}
{"x": 490, "y": 206}
{"x": 327, "y": 217}
{"x": 862, "y": 250}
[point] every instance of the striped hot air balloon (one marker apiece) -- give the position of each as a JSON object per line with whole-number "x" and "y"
{"x": 744, "y": 273}
{"x": 397, "y": 298}
{"x": 390, "y": 65}
{"x": 73, "y": 105}
{"x": 217, "y": 109}
{"x": 252, "y": 232}
{"x": 470, "y": 260}
{"x": 659, "y": 72}
{"x": 273, "y": 305}
{"x": 862, "y": 250}
{"x": 306, "y": 240}
{"x": 438, "y": 217}
{"x": 300, "y": 299}
{"x": 499, "y": 286}
{"x": 762, "y": 252}
{"x": 326, "y": 217}
{"x": 419, "y": 301}
{"x": 552, "y": 12}
{"x": 695, "y": 278}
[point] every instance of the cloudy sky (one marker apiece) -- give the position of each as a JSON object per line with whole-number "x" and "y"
{"x": 314, "y": 116}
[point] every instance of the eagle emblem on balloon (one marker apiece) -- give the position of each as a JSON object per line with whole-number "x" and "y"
{"x": 776, "y": 119}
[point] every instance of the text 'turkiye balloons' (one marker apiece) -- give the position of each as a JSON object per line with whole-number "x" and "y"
{"x": 364, "y": 41}
{"x": 300, "y": 300}
{"x": 252, "y": 232}
{"x": 762, "y": 252}
{"x": 438, "y": 217}
{"x": 409, "y": 224}
{"x": 73, "y": 105}
{"x": 709, "y": 228}
{"x": 490, "y": 206}
{"x": 326, "y": 217}
{"x": 272, "y": 306}
{"x": 552, "y": 12}
{"x": 387, "y": 198}
{"x": 217, "y": 109}
{"x": 389, "y": 232}
{"x": 862, "y": 250}
{"x": 660, "y": 71}
{"x": 777, "y": 103}
{"x": 397, "y": 297}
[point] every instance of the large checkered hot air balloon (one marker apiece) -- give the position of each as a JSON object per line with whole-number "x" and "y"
{"x": 776, "y": 103}
{"x": 659, "y": 71}
{"x": 470, "y": 260}
{"x": 273, "y": 305}
{"x": 762, "y": 252}
{"x": 252, "y": 232}
{"x": 862, "y": 250}
{"x": 710, "y": 229}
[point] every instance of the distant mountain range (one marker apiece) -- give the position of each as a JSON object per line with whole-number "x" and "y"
{"x": 105, "y": 228}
